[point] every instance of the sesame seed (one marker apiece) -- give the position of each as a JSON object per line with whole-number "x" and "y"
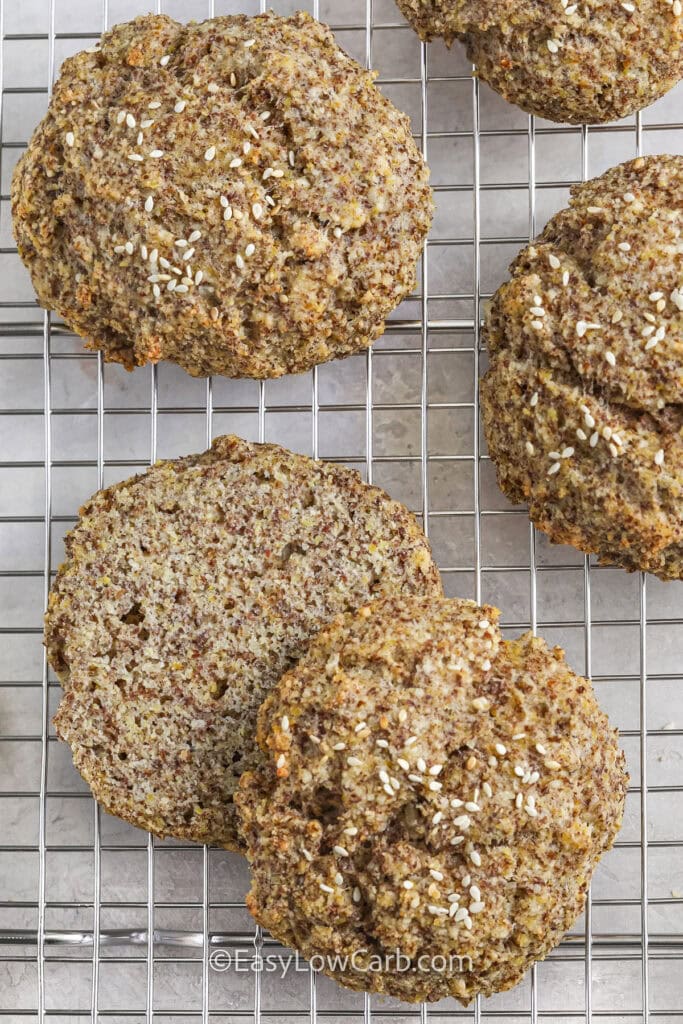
{"x": 630, "y": 8}
{"x": 594, "y": 438}
{"x": 589, "y": 421}
{"x": 149, "y": 204}
{"x": 210, "y": 153}
{"x": 165, "y": 59}
{"x": 471, "y": 806}
{"x": 434, "y": 786}
{"x": 415, "y": 778}
{"x": 408, "y": 884}
{"x": 457, "y": 803}
{"x": 481, "y": 704}
{"x": 435, "y": 769}
{"x": 384, "y": 776}
{"x": 595, "y": 209}
{"x": 554, "y": 455}
{"x": 257, "y": 210}
{"x": 421, "y": 764}
{"x": 351, "y": 831}
{"x": 565, "y": 278}
{"x": 307, "y": 855}
{"x": 436, "y": 910}
{"x": 163, "y": 262}
{"x": 188, "y": 254}
{"x": 239, "y": 262}
{"x": 212, "y": 87}
{"x": 180, "y": 106}
{"x": 236, "y": 162}
{"x": 353, "y": 762}
{"x": 581, "y": 328}
{"x": 552, "y": 766}
{"x": 531, "y": 811}
{"x": 337, "y": 232}
{"x": 519, "y": 771}
{"x": 554, "y": 262}
{"x": 339, "y": 746}
{"x": 402, "y": 715}
{"x": 136, "y": 157}
{"x": 248, "y": 43}
{"x": 437, "y": 817}
{"x": 475, "y": 858}
{"x": 567, "y": 452}
{"x": 519, "y": 800}
{"x": 624, "y": 246}
{"x": 614, "y": 451}
{"x": 402, "y": 763}
{"x": 553, "y": 45}
{"x": 460, "y": 915}
{"x": 519, "y": 736}
{"x": 382, "y": 743}
{"x": 486, "y": 788}
{"x": 153, "y": 256}
{"x": 387, "y": 789}
{"x": 121, "y": 117}
{"x": 462, "y": 821}
{"x": 154, "y": 105}
{"x": 540, "y": 748}
{"x": 130, "y": 121}
{"x": 611, "y": 358}
{"x": 471, "y": 763}
{"x": 130, "y": 248}
{"x": 156, "y": 153}
{"x": 529, "y": 447}
{"x": 356, "y": 894}
{"x": 629, "y": 197}
{"x": 233, "y": 79}
{"x": 341, "y": 851}
{"x": 194, "y": 236}
{"x": 457, "y": 840}
{"x": 156, "y": 291}
{"x": 360, "y": 726}
{"x": 410, "y": 741}
{"x": 250, "y": 249}
{"x": 453, "y": 909}
{"x": 555, "y": 468}
{"x": 476, "y": 907}
{"x": 284, "y": 723}
{"x": 281, "y": 759}
{"x": 533, "y": 401}
{"x": 326, "y": 888}
{"x": 246, "y": 147}
{"x": 436, "y": 875}
{"x": 659, "y": 457}
{"x": 677, "y": 8}
{"x": 227, "y": 213}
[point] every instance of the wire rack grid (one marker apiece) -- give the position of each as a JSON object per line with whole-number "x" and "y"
{"x": 99, "y": 920}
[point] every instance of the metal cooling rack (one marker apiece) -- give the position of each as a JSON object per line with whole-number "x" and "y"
{"x": 97, "y": 919}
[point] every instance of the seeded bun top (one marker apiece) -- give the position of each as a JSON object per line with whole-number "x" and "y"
{"x": 186, "y": 593}
{"x": 236, "y": 196}
{"x": 431, "y": 788}
{"x": 583, "y": 401}
{"x": 593, "y": 61}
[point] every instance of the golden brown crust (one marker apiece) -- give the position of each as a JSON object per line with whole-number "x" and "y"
{"x": 431, "y": 787}
{"x": 587, "y": 61}
{"x": 247, "y": 163}
{"x": 583, "y": 401}
{"x": 186, "y": 593}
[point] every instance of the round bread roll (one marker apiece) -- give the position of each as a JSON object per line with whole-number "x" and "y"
{"x": 236, "y": 196}
{"x": 185, "y": 595}
{"x": 433, "y": 793}
{"x": 583, "y": 401}
{"x": 589, "y": 61}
